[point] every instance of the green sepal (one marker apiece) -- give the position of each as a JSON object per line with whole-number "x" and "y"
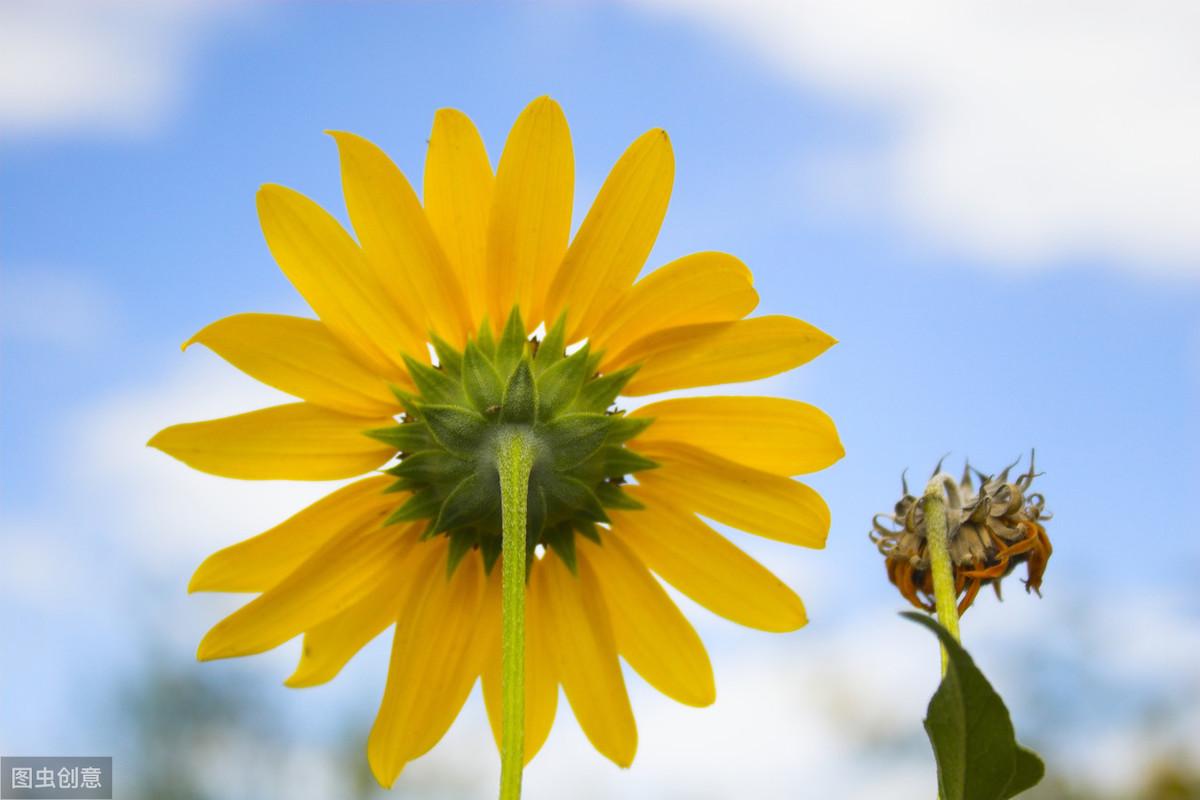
{"x": 550, "y": 351}
{"x": 431, "y": 466}
{"x": 472, "y": 500}
{"x": 599, "y": 394}
{"x": 559, "y": 384}
{"x": 612, "y": 496}
{"x": 624, "y": 428}
{"x": 461, "y": 542}
{"x": 457, "y": 429}
{"x": 587, "y": 529}
{"x": 434, "y": 385}
{"x": 511, "y": 347}
{"x": 489, "y": 547}
{"x": 520, "y": 396}
{"x": 406, "y": 438}
{"x": 481, "y": 382}
{"x": 535, "y": 519}
{"x": 422, "y": 505}
{"x": 484, "y": 338}
{"x": 574, "y": 438}
{"x": 562, "y": 541}
{"x": 575, "y": 494}
{"x": 407, "y": 400}
{"x": 973, "y": 740}
{"x": 449, "y": 359}
{"x": 620, "y": 461}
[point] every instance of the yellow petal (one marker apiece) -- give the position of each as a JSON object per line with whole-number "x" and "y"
{"x": 258, "y": 563}
{"x": 399, "y": 243}
{"x": 339, "y": 574}
{"x": 435, "y": 661}
{"x": 333, "y": 275}
{"x": 651, "y": 632}
{"x": 720, "y": 352}
{"x": 330, "y": 645}
{"x": 301, "y": 357}
{"x": 706, "y": 566}
{"x": 458, "y": 198}
{"x": 298, "y": 441}
{"x": 541, "y": 680}
{"x": 585, "y": 653}
{"x": 702, "y": 287}
{"x": 615, "y": 238}
{"x": 785, "y": 437}
{"x": 530, "y": 220}
{"x": 758, "y": 502}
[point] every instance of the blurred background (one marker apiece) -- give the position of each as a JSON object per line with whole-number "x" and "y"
{"x": 994, "y": 207}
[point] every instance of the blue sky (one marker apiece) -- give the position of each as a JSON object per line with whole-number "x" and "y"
{"x": 122, "y": 235}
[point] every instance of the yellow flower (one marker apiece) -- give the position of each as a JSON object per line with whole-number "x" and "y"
{"x": 485, "y": 262}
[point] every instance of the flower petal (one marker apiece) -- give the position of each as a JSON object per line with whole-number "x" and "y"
{"x": 331, "y": 644}
{"x": 436, "y": 657}
{"x": 399, "y": 243}
{"x": 702, "y": 287}
{"x": 301, "y": 357}
{"x": 297, "y": 441}
{"x": 651, "y": 632}
{"x": 458, "y": 199}
{"x": 706, "y": 566}
{"x": 258, "y": 563}
{"x": 585, "y": 653}
{"x": 530, "y": 221}
{"x": 333, "y": 275}
{"x": 785, "y": 437}
{"x": 541, "y": 679}
{"x": 758, "y": 502}
{"x": 339, "y": 574}
{"x": 617, "y": 235}
{"x": 720, "y": 352}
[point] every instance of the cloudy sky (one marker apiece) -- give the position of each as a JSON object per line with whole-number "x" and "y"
{"x": 993, "y": 207}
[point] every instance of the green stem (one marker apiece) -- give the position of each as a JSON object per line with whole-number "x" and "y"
{"x": 514, "y": 462}
{"x": 945, "y": 597}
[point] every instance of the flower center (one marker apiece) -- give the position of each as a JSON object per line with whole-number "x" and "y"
{"x": 446, "y": 441}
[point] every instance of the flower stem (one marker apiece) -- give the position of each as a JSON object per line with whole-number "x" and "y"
{"x": 514, "y": 462}
{"x": 945, "y": 597}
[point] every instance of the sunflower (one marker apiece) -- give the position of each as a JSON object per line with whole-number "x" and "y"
{"x": 445, "y": 322}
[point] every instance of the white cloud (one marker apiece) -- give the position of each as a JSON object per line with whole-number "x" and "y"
{"x": 101, "y": 65}
{"x": 60, "y": 309}
{"x": 1021, "y": 133}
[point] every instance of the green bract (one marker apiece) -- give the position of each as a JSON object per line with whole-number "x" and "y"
{"x": 447, "y": 440}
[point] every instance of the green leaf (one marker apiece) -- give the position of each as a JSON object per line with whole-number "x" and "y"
{"x": 461, "y": 542}
{"x": 520, "y": 396}
{"x": 480, "y": 380}
{"x": 457, "y": 429}
{"x": 562, "y": 541}
{"x": 977, "y": 754}
{"x": 1028, "y": 773}
{"x": 484, "y": 339}
{"x": 429, "y": 466}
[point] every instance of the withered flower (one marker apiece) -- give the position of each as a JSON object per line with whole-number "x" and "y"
{"x": 989, "y": 532}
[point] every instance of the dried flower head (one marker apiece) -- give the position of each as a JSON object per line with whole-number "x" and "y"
{"x": 989, "y": 531}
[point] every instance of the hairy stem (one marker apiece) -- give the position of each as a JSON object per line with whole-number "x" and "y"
{"x": 514, "y": 462}
{"x": 945, "y": 598}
